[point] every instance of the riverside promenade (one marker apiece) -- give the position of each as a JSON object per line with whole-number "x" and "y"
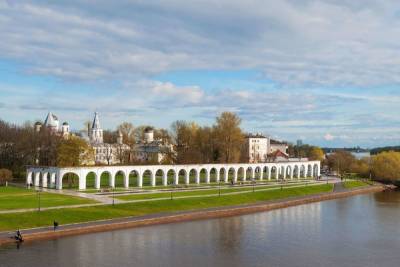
{"x": 43, "y": 233}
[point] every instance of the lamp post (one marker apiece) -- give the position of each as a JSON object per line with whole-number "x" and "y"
{"x": 219, "y": 188}
{"x": 113, "y": 195}
{"x": 38, "y": 193}
{"x": 253, "y": 183}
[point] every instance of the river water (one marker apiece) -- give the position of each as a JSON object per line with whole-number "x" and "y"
{"x": 359, "y": 231}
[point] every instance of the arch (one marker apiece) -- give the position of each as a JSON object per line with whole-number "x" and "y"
{"x": 232, "y": 175}
{"x": 193, "y": 176}
{"x": 52, "y": 180}
{"x": 282, "y": 172}
{"x": 258, "y": 173}
{"x": 183, "y": 177}
{"x": 119, "y": 179}
{"x": 266, "y": 173}
{"x": 203, "y": 175}
{"x": 172, "y": 177}
{"x": 214, "y": 175}
{"x": 91, "y": 180}
{"x": 240, "y": 174}
{"x": 223, "y": 177}
{"x": 36, "y": 178}
{"x": 288, "y": 172}
{"x": 274, "y": 173}
{"x": 160, "y": 177}
{"x": 249, "y": 174}
{"x": 134, "y": 178}
{"x": 316, "y": 170}
{"x": 309, "y": 170}
{"x": 148, "y": 178}
{"x": 45, "y": 180}
{"x": 70, "y": 180}
{"x": 296, "y": 171}
{"x": 303, "y": 172}
{"x": 106, "y": 179}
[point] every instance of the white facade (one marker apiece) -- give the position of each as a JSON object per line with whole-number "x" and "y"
{"x": 52, "y": 176}
{"x": 256, "y": 148}
{"x": 53, "y": 124}
{"x": 105, "y": 153}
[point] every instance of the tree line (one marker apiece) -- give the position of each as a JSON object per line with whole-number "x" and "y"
{"x": 384, "y": 166}
{"x": 21, "y": 146}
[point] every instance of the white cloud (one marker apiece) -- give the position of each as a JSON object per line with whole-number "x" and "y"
{"x": 293, "y": 42}
{"x": 329, "y": 137}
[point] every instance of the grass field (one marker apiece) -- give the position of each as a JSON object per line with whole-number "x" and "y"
{"x": 20, "y": 198}
{"x": 64, "y": 216}
{"x": 353, "y": 184}
{"x": 197, "y": 192}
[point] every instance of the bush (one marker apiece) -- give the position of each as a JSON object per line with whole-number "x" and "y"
{"x": 386, "y": 166}
{"x": 5, "y": 176}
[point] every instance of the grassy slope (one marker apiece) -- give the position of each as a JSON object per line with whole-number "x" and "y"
{"x": 353, "y": 184}
{"x": 20, "y": 198}
{"x": 34, "y": 219}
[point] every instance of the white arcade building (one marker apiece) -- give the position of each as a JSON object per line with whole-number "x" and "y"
{"x": 52, "y": 177}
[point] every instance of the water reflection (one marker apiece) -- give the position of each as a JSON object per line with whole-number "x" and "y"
{"x": 358, "y": 231}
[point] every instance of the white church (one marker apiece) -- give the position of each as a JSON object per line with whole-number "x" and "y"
{"x": 111, "y": 153}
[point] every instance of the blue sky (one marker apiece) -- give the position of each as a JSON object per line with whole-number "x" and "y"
{"x": 326, "y": 71}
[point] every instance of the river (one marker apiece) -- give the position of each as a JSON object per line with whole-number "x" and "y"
{"x": 362, "y": 230}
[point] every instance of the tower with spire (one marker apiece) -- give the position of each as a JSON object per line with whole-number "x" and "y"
{"x": 96, "y": 133}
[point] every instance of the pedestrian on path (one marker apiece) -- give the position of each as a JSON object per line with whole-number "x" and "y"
{"x": 55, "y": 224}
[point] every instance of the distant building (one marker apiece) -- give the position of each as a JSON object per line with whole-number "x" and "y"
{"x": 105, "y": 153}
{"x": 53, "y": 125}
{"x": 151, "y": 150}
{"x": 260, "y": 148}
{"x": 278, "y": 145}
{"x": 299, "y": 142}
{"x": 256, "y": 148}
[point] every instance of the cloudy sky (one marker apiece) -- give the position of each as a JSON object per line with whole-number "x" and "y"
{"x": 326, "y": 72}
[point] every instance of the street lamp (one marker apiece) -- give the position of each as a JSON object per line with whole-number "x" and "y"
{"x": 219, "y": 188}
{"x": 113, "y": 195}
{"x": 253, "y": 182}
{"x": 38, "y": 193}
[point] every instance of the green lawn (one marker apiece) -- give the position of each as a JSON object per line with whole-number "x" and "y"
{"x": 196, "y": 192}
{"x": 353, "y": 184}
{"x": 65, "y": 216}
{"x": 21, "y": 198}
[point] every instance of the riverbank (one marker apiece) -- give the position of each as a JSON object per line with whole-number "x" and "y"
{"x": 180, "y": 216}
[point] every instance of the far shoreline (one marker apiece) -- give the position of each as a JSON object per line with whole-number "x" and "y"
{"x": 46, "y": 233}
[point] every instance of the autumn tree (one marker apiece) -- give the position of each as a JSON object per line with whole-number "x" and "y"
{"x": 128, "y": 133}
{"x": 386, "y": 166}
{"x": 316, "y": 153}
{"x": 229, "y": 137}
{"x": 74, "y": 152}
{"x": 341, "y": 161}
{"x": 5, "y": 176}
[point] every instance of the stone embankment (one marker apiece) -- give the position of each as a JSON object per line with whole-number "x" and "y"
{"x": 153, "y": 219}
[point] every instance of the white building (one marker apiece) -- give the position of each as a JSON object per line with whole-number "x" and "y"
{"x": 105, "y": 153}
{"x": 151, "y": 150}
{"x": 260, "y": 148}
{"x": 53, "y": 125}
